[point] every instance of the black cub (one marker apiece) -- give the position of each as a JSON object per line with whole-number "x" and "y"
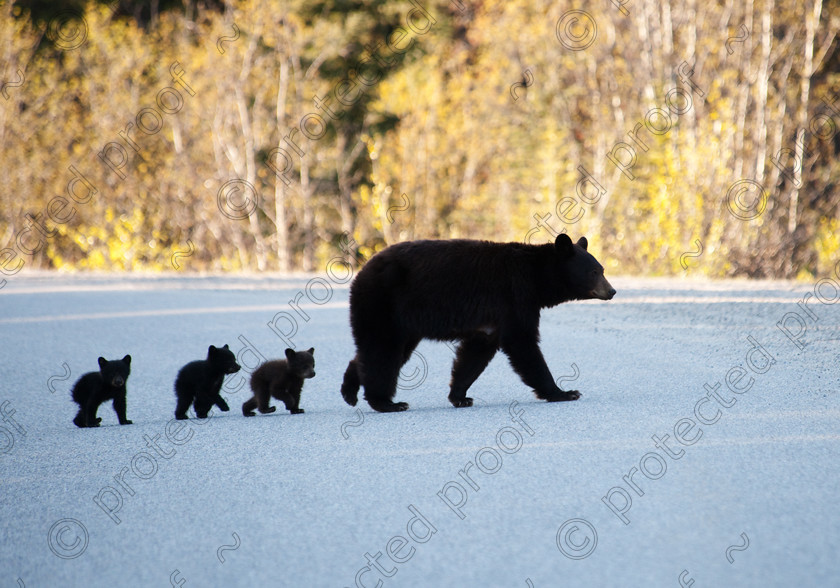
{"x": 282, "y": 379}
{"x": 94, "y": 388}
{"x": 199, "y": 382}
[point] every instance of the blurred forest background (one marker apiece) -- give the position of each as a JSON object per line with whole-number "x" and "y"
{"x": 130, "y": 131}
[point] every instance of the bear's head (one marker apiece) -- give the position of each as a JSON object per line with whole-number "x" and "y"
{"x": 582, "y": 275}
{"x": 115, "y": 372}
{"x": 222, "y": 359}
{"x": 301, "y": 363}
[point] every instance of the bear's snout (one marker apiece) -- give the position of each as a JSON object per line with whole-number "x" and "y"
{"x": 603, "y": 290}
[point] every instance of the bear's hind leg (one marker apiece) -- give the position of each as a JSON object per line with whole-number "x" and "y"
{"x": 474, "y": 353}
{"x": 351, "y": 383}
{"x": 248, "y": 407}
{"x": 409, "y": 348}
{"x": 91, "y": 419}
{"x": 262, "y": 398}
{"x": 380, "y": 371}
{"x": 79, "y": 421}
{"x": 183, "y": 405}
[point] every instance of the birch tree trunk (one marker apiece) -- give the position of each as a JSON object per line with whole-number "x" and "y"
{"x": 811, "y": 19}
{"x": 249, "y": 151}
{"x": 281, "y": 225}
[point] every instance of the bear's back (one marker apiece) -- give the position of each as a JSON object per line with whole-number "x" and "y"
{"x": 192, "y": 373}
{"x": 90, "y": 383}
{"x": 444, "y": 289}
{"x": 275, "y": 369}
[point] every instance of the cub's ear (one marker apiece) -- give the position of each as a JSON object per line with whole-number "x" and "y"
{"x": 290, "y": 353}
{"x": 226, "y": 346}
{"x": 211, "y": 349}
{"x": 583, "y": 243}
{"x": 102, "y": 362}
{"x": 311, "y": 351}
{"x": 127, "y": 359}
{"x": 563, "y": 245}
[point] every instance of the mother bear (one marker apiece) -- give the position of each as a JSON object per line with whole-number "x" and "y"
{"x": 486, "y": 295}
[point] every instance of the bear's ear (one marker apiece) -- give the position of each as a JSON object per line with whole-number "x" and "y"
{"x": 211, "y": 349}
{"x": 226, "y": 346}
{"x": 563, "y": 245}
{"x": 311, "y": 351}
{"x": 290, "y": 353}
{"x": 102, "y": 362}
{"x": 583, "y": 243}
{"x": 127, "y": 359}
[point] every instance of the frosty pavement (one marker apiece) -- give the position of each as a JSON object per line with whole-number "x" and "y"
{"x": 705, "y": 446}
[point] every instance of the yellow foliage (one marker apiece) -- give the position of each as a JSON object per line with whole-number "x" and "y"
{"x": 443, "y": 126}
{"x": 827, "y": 246}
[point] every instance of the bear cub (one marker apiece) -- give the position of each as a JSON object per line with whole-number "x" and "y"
{"x": 199, "y": 382}
{"x": 94, "y": 388}
{"x": 282, "y": 379}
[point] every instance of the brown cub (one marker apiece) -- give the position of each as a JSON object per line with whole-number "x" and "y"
{"x": 282, "y": 379}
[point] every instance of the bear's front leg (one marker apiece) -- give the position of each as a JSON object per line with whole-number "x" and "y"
{"x": 119, "y": 408}
{"x": 559, "y": 395}
{"x": 295, "y": 404}
{"x": 291, "y": 397}
{"x": 528, "y": 361}
{"x": 248, "y": 407}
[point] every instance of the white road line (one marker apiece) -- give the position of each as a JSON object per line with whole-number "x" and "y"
{"x": 165, "y": 312}
{"x": 344, "y": 304}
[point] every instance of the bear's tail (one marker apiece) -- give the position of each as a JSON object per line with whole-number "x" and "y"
{"x": 350, "y": 386}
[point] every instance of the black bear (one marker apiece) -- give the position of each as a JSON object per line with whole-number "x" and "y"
{"x": 94, "y": 388}
{"x": 199, "y": 382}
{"x": 282, "y": 379}
{"x": 486, "y": 295}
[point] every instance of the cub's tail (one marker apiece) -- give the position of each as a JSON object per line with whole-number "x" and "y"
{"x": 350, "y": 386}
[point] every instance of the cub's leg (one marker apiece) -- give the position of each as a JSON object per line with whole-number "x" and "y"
{"x": 248, "y": 407}
{"x": 220, "y": 402}
{"x": 263, "y": 397}
{"x": 119, "y": 408}
{"x": 290, "y": 396}
{"x": 184, "y": 402}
